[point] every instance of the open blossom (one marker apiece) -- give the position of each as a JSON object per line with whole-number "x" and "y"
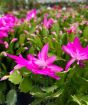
{"x": 7, "y": 22}
{"x": 3, "y": 28}
{"x": 31, "y": 14}
{"x": 48, "y": 23}
{"x": 3, "y": 34}
{"x": 76, "y": 51}
{"x": 42, "y": 64}
{"x": 71, "y": 30}
{"x": 10, "y": 20}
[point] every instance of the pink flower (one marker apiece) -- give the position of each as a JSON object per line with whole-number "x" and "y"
{"x": 58, "y": 15}
{"x": 1, "y": 42}
{"x": 3, "y": 28}
{"x": 42, "y": 64}
{"x": 6, "y": 44}
{"x": 4, "y": 77}
{"x": 20, "y": 21}
{"x": 48, "y": 23}
{"x": 10, "y": 20}
{"x": 86, "y": 7}
{"x": 14, "y": 40}
{"x": 3, "y": 34}
{"x": 31, "y": 14}
{"x": 7, "y": 22}
{"x": 71, "y": 30}
{"x": 64, "y": 18}
{"x": 76, "y": 51}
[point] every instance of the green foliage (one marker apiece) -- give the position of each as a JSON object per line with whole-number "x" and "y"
{"x": 2, "y": 98}
{"x": 85, "y": 32}
{"x": 15, "y": 77}
{"x": 25, "y": 85}
{"x": 11, "y": 97}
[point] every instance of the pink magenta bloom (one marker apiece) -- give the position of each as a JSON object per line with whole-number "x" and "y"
{"x": 42, "y": 64}
{"x": 7, "y": 22}
{"x": 58, "y": 15}
{"x": 14, "y": 40}
{"x": 6, "y": 44}
{"x": 48, "y": 23}
{"x": 71, "y": 30}
{"x": 31, "y": 14}
{"x": 76, "y": 51}
{"x": 10, "y": 20}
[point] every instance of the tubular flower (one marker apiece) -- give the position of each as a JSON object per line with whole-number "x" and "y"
{"x": 7, "y": 22}
{"x": 76, "y": 51}
{"x": 31, "y": 14}
{"x": 10, "y": 20}
{"x": 48, "y": 23}
{"x": 71, "y": 30}
{"x": 42, "y": 64}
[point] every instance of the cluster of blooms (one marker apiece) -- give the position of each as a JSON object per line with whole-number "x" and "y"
{"x": 43, "y": 64}
{"x": 7, "y": 22}
{"x": 30, "y": 15}
{"x": 71, "y": 30}
{"x": 48, "y": 23}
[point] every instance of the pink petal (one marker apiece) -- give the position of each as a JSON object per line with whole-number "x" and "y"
{"x": 69, "y": 63}
{"x": 19, "y": 59}
{"x": 55, "y": 68}
{"x": 54, "y": 76}
{"x": 12, "y": 56}
{"x": 50, "y": 60}
{"x": 11, "y": 72}
{"x": 31, "y": 57}
{"x": 44, "y": 53}
{"x": 6, "y": 44}
{"x": 3, "y": 34}
{"x": 45, "y": 21}
{"x": 66, "y": 49}
{"x": 77, "y": 43}
{"x": 50, "y": 22}
{"x": 4, "y": 77}
{"x": 31, "y": 14}
{"x": 14, "y": 40}
{"x": 40, "y": 63}
{"x": 46, "y": 72}
{"x": 18, "y": 66}
{"x": 1, "y": 42}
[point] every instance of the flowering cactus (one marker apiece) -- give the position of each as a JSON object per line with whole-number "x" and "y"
{"x": 7, "y": 22}
{"x": 31, "y": 14}
{"x": 76, "y": 51}
{"x": 41, "y": 65}
{"x": 48, "y": 23}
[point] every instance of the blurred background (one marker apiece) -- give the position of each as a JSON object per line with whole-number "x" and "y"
{"x": 10, "y": 5}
